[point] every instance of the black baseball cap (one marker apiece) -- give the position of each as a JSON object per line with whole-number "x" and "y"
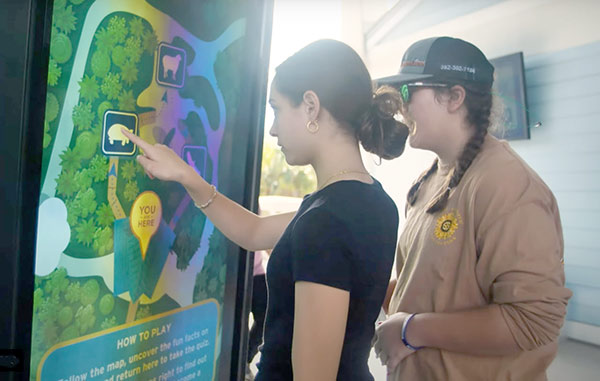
{"x": 442, "y": 58}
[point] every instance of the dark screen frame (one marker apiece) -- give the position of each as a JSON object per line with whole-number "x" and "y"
{"x": 24, "y": 51}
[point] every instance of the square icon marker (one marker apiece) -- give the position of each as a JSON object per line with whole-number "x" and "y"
{"x": 114, "y": 143}
{"x": 170, "y": 65}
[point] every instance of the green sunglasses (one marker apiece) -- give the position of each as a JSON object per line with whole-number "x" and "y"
{"x": 408, "y": 88}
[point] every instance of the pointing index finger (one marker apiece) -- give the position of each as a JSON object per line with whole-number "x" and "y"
{"x": 137, "y": 140}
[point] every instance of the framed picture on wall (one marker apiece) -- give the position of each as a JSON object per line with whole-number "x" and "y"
{"x": 509, "y": 87}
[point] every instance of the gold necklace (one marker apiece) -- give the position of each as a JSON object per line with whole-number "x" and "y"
{"x": 344, "y": 172}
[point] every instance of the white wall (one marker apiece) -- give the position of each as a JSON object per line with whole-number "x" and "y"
{"x": 564, "y": 93}
{"x": 530, "y": 26}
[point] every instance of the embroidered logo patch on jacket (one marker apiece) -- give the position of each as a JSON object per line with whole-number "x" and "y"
{"x": 446, "y": 226}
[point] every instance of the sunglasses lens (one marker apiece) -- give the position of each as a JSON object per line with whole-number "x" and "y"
{"x": 405, "y": 93}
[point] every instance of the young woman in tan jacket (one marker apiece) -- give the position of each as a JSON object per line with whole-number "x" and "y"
{"x": 480, "y": 289}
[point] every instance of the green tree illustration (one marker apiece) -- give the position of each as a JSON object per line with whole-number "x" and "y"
{"x": 106, "y": 305}
{"x": 70, "y": 160}
{"x": 136, "y": 26}
{"x": 131, "y": 190}
{"x": 90, "y": 291}
{"x": 57, "y": 283}
{"x": 47, "y": 137}
{"x": 85, "y": 201}
{"x": 85, "y": 232}
{"x": 48, "y": 309}
{"x": 111, "y": 86}
{"x": 187, "y": 241}
{"x": 50, "y": 333}
{"x": 103, "y": 241}
{"x": 54, "y": 72}
{"x": 52, "y": 107}
{"x": 104, "y": 41}
{"x": 101, "y": 63}
{"x": 97, "y": 130}
{"x": 99, "y": 168}
{"x": 127, "y": 101}
{"x": 129, "y": 73}
{"x": 38, "y": 296}
{"x": 85, "y": 318}
{"x": 108, "y": 323}
{"x": 142, "y": 312}
{"x": 133, "y": 48}
{"x": 73, "y": 293}
{"x": 83, "y": 116}
{"x": 89, "y": 88}
{"x": 87, "y": 144}
{"x": 102, "y": 107}
{"x": 119, "y": 55}
{"x": 64, "y": 19}
{"x": 104, "y": 215}
{"x": 127, "y": 170}
{"x": 66, "y": 184}
{"x": 65, "y": 316}
{"x": 83, "y": 179}
{"x": 149, "y": 41}
{"x": 117, "y": 29}
{"x": 60, "y": 47}
{"x": 69, "y": 333}
{"x": 73, "y": 212}
{"x": 210, "y": 281}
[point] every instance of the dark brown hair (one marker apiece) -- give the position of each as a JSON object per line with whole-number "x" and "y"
{"x": 478, "y": 101}
{"x": 339, "y": 77}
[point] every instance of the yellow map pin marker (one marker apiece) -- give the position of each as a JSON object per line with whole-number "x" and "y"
{"x": 144, "y": 219}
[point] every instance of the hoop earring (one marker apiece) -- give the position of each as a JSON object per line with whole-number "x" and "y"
{"x": 312, "y": 126}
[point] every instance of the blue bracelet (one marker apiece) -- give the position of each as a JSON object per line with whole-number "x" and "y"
{"x": 404, "y": 326}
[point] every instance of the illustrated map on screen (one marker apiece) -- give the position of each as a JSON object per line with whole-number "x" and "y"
{"x": 129, "y": 273}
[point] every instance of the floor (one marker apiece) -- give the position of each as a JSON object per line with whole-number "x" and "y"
{"x": 576, "y": 361}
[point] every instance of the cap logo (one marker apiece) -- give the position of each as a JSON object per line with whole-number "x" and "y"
{"x": 460, "y": 68}
{"x": 415, "y": 62}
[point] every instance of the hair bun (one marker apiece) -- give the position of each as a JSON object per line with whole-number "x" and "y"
{"x": 386, "y": 102}
{"x": 380, "y": 133}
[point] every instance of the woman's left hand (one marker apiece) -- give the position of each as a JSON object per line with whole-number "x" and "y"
{"x": 388, "y": 345}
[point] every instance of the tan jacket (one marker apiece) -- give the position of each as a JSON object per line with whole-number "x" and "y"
{"x": 499, "y": 240}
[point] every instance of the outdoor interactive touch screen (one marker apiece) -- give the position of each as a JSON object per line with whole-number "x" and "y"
{"x": 130, "y": 276}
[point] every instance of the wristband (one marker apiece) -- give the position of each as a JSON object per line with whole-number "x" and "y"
{"x": 404, "y": 326}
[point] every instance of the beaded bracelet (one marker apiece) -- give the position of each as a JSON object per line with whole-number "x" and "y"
{"x": 404, "y": 326}
{"x": 210, "y": 200}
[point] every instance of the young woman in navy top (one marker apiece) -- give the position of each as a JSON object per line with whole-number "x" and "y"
{"x": 331, "y": 260}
